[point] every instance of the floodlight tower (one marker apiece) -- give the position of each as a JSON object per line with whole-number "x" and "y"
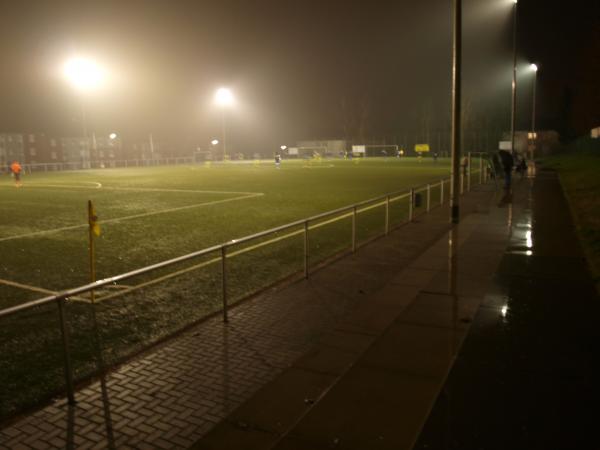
{"x": 513, "y": 108}
{"x": 85, "y": 75}
{"x": 456, "y": 123}
{"x": 534, "y": 68}
{"x": 224, "y": 99}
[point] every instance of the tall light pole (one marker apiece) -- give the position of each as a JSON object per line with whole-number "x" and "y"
{"x": 84, "y": 75}
{"x": 513, "y": 108}
{"x": 456, "y": 98}
{"x": 224, "y": 99}
{"x": 534, "y": 68}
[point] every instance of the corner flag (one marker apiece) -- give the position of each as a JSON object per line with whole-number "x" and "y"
{"x": 93, "y": 219}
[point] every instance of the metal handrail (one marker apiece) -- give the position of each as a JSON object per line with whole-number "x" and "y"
{"x": 124, "y": 276}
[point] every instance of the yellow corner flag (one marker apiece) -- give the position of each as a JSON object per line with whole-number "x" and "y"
{"x": 93, "y": 219}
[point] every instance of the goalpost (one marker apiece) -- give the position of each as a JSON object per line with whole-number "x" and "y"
{"x": 375, "y": 150}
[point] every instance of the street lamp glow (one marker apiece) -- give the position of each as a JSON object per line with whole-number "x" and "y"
{"x": 84, "y": 74}
{"x": 112, "y": 136}
{"x": 224, "y": 97}
{"x": 283, "y": 147}
{"x": 533, "y": 67}
{"x": 214, "y": 141}
{"x": 515, "y": 1}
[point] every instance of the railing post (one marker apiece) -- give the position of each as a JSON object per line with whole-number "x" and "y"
{"x": 224, "y": 281}
{"x": 480, "y": 169}
{"x": 387, "y": 214}
{"x": 353, "y": 229}
{"x": 462, "y": 182}
{"x": 411, "y": 204}
{"x": 65, "y": 340}
{"x": 428, "y": 197}
{"x": 306, "y": 249}
{"x": 442, "y": 192}
{"x": 469, "y": 173}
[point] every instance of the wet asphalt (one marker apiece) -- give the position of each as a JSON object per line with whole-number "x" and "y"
{"x": 527, "y": 374}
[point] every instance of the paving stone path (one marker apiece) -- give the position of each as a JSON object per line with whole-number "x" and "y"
{"x": 172, "y": 396}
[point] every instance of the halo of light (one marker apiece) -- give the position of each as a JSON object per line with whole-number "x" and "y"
{"x": 224, "y": 97}
{"x": 84, "y": 74}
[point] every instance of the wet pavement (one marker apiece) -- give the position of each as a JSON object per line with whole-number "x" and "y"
{"x": 527, "y": 374}
{"x": 485, "y": 341}
{"x": 372, "y": 382}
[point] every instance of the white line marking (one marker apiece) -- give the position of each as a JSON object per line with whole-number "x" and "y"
{"x": 132, "y": 189}
{"x": 317, "y": 167}
{"x": 37, "y": 289}
{"x": 133, "y": 216}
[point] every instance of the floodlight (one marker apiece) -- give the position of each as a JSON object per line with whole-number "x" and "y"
{"x": 84, "y": 74}
{"x": 112, "y": 136}
{"x": 214, "y": 141}
{"x": 283, "y": 147}
{"x": 533, "y": 67}
{"x": 224, "y": 97}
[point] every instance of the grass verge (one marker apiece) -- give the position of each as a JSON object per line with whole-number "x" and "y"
{"x": 579, "y": 176}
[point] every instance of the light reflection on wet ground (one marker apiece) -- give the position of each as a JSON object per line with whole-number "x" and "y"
{"x": 527, "y": 375}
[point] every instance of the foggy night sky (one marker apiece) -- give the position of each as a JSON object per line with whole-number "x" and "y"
{"x": 291, "y": 64}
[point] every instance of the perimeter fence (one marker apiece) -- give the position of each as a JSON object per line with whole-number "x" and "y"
{"x": 48, "y": 344}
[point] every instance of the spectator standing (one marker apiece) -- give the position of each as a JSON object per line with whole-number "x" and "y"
{"x": 506, "y": 159}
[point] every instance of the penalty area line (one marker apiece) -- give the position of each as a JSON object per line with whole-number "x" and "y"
{"x": 98, "y": 185}
{"x": 133, "y": 216}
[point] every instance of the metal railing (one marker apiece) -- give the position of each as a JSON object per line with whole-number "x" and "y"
{"x": 303, "y": 227}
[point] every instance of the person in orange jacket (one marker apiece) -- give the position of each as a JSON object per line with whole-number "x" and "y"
{"x": 16, "y": 169}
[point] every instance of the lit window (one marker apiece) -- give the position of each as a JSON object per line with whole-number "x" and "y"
{"x": 53, "y": 155}
{"x": 32, "y": 151}
{"x": 53, "y": 142}
{"x": 32, "y": 138}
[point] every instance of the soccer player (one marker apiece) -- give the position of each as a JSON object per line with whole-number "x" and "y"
{"x": 277, "y": 160}
{"x": 16, "y": 169}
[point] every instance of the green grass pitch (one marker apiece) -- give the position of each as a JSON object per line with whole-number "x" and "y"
{"x": 151, "y": 214}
